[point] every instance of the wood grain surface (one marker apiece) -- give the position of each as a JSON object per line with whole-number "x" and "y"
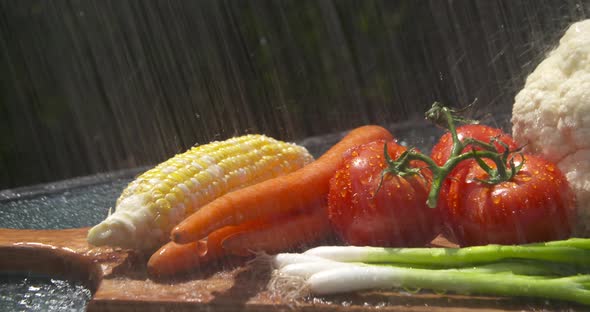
{"x": 119, "y": 282}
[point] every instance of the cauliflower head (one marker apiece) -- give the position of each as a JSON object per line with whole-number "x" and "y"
{"x": 551, "y": 114}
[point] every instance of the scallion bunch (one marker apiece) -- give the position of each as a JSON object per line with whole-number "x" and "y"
{"x": 552, "y": 270}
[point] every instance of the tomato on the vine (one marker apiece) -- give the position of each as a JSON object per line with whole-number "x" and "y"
{"x": 442, "y": 150}
{"x": 535, "y": 205}
{"x": 367, "y": 211}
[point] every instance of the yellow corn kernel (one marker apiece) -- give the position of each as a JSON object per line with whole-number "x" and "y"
{"x": 160, "y": 198}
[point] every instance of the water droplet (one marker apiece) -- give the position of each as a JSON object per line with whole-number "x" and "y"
{"x": 524, "y": 178}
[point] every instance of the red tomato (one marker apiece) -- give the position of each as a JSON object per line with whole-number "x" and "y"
{"x": 535, "y": 205}
{"x": 442, "y": 150}
{"x": 396, "y": 215}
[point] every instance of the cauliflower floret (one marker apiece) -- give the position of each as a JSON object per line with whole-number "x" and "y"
{"x": 577, "y": 171}
{"x": 551, "y": 115}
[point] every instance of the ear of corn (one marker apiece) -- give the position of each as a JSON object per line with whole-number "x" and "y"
{"x": 161, "y": 197}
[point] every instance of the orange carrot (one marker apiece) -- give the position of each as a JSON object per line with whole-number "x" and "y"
{"x": 288, "y": 233}
{"x": 279, "y": 196}
{"x": 271, "y": 235}
{"x": 174, "y": 258}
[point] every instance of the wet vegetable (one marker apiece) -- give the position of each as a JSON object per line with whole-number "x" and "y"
{"x": 485, "y": 188}
{"x": 368, "y": 206}
{"x": 552, "y": 270}
{"x": 536, "y": 204}
{"x": 151, "y": 205}
{"x": 291, "y": 193}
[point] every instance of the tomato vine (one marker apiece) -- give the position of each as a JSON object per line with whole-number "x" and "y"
{"x": 446, "y": 117}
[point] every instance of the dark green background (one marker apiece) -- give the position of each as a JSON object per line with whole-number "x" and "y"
{"x": 95, "y": 86}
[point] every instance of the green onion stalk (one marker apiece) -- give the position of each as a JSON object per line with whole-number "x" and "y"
{"x": 359, "y": 277}
{"x": 456, "y": 257}
{"x": 551, "y": 270}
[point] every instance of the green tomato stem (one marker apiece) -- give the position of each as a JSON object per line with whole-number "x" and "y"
{"x": 439, "y": 115}
{"x": 441, "y": 172}
{"x": 457, "y": 144}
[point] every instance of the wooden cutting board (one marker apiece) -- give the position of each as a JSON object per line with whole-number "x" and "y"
{"x": 119, "y": 282}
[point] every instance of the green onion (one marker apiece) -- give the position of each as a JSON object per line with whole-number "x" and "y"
{"x": 557, "y": 252}
{"x": 355, "y": 278}
{"x": 551, "y": 270}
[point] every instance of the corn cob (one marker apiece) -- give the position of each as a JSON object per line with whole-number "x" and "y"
{"x": 160, "y": 198}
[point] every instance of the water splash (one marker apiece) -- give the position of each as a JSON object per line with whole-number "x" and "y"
{"x": 91, "y": 86}
{"x": 36, "y": 293}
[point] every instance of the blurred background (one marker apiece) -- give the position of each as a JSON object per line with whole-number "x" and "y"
{"x": 96, "y": 86}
